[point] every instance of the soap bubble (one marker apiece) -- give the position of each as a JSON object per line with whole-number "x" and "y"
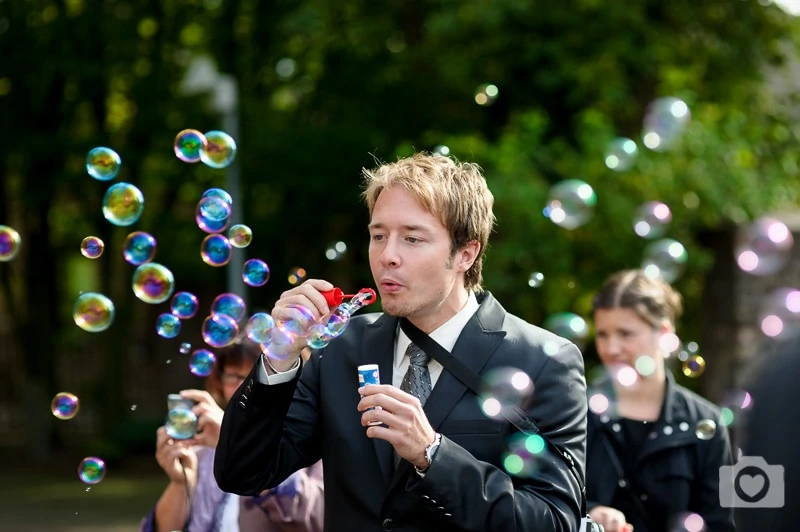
{"x": 230, "y": 305}
{"x": 568, "y": 325}
{"x": 706, "y": 429}
{"x": 652, "y": 219}
{"x": 505, "y": 390}
{"x": 694, "y": 366}
{"x": 92, "y": 247}
{"x": 65, "y": 405}
{"x": 219, "y": 330}
{"x": 181, "y": 423}
{"x": 664, "y": 258}
{"x": 185, "y": 348}
{"x": 486, "y": 94}
{"x": 240, "y": 236}
{"x": 188, "y": 145}
{"x": 297, "y": 276}
{"x": 213, "y": 214}
{"x": 168, "y": 325}
{"x": 93, "y": 312}
{"x": 779, "y": 313}
{"x": 201, "y": 362}
{"x": 219, "y": 151}
{"x": 139, "y": 247}
{"x": 259, "y": 327}
{"x": 153, "y": 283}
{"x": 763, "y": 247}
{"x": 336, "y": 251}
{"x": 535, "y": 279}
{"x": 103, "y": 164}
{"x": 255, "y": 272}
{"x": 10, "y": 242}
{"x": 664, "y": 123}
{"x": 91, "y": 470}
{"x": 215, "y": 250}
{"x": 621, "y": 154}
{"x": 218, "y": 193}
{"x": 123, "y": 204}
{"x": 571, "y": 203}
{"x": 184, "y": 305}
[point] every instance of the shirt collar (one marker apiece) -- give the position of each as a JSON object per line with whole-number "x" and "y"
{"x": 446, "y": 334}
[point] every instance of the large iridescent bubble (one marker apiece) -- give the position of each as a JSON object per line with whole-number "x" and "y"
{"x": 123, "y": 204}
{"x": 568, "y": 325}
{"x": 184, "y": 305}
{"x": 92, "y": 247}
{"x": 215, "y": 250}
{"x": 505, "y": 390}
{"x": 219, "y": 330}
{"x": 255, "y": 272}
{"x": 103, "y": 164}
{"x": 219, "y": 151}
{"x": 201, "y": 362}
{"x": 65, "y": 405}
{"x": 139, "y": 247}
{"x": 229, "y": 304}
{"x": 259, "y": 327}
{"x": 153, "y": 283}
{"x": 91, "y": 470}
{"x": 10, "y": 243}
{"x": 93, "y": 312}
{"x": 188, "y": 145}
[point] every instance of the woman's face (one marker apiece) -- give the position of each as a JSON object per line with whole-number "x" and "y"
{"x": 232, "y": 377}
{"x": 621, "y": 337}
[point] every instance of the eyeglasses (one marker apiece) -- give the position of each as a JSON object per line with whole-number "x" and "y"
{"x": 232, "y": 378}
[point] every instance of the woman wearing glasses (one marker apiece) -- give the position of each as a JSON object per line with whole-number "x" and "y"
{"x": 192, "y": 500}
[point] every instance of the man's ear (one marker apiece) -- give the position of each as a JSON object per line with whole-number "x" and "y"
{"x": 465, "y": 257}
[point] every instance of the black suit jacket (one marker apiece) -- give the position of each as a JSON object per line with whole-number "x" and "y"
{"x": 269, "y": 431}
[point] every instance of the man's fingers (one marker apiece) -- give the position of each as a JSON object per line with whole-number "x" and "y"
{"x": 388, "y": 389}
{"x": 198, "y": 396}
{"x": 405, "y": 406}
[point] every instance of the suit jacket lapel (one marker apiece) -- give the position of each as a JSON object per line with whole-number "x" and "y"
{"x": 379, "y": 342}
{"x": 475, "y": 346}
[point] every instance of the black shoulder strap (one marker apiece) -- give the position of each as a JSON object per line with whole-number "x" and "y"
{"x": 474, "y": 382}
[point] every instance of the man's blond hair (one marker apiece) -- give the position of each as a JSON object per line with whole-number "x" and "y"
{"x": 455, "y": 192}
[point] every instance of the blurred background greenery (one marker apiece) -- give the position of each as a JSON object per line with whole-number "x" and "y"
{"x": 322, "y": 89}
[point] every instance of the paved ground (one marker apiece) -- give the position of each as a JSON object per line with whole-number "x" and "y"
{"x": 51, "y": 497}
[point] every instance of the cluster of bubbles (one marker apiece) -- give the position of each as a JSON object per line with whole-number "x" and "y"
{"x": 215, "y": 149}
{"x": 298, "y": 327}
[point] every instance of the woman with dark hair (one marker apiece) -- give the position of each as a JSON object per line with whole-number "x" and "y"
{"x": 654, "y": 448}
{"x": 192, "y": 501}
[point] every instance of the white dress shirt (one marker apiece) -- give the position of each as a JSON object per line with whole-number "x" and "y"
{"x": 446, "y": 335}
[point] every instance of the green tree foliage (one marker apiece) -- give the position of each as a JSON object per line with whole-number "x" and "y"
{"x": 327, "y": 88}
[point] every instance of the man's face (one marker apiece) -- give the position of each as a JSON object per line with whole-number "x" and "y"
{"x": 409, "y": 254}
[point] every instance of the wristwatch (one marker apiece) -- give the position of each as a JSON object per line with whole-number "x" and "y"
{"x": 430, "y": 452}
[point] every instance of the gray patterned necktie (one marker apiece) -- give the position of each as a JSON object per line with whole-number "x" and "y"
{"x": 417, "y": 380}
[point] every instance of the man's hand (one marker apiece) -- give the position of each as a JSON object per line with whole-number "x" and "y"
{"x": 307, "y": 296}
{"x": 407, "y": 428}
{"x": 209, "y": 417}
{"x": 612, "y": 519}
